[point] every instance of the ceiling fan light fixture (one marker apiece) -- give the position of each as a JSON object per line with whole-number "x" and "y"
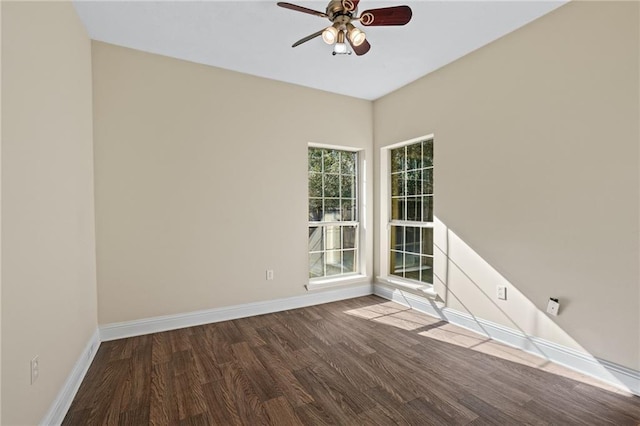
{"x": 330, "y": 34}
{"x": 356, "y": 36}
{"x": 340, "y": 13}
{"x": 340, "y": 48}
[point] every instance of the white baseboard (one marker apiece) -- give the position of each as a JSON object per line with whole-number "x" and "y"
{"x": 172, "y": 322}
{"x": 617, "y": 375}
{"x": 63, "y": 400}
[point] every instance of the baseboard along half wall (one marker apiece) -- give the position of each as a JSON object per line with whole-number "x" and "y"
{"x": 173, "y": 322}
{"x": 63, "y": 400}
{"x": 616, "y": 375}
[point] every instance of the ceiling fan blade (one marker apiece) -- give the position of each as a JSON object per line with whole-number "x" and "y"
{"x": 307, "y": 38}
{"x": 397, "y": 15}
{"x": 301, "y": 9}
{"x": 362, "y": 49}
{"x": 350, "y": 5}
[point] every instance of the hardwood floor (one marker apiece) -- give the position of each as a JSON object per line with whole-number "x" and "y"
{"x": 363, "y": 361}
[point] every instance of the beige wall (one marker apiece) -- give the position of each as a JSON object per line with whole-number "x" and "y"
{"x": 537, "y": 173}
{"x": 48, "y": 244}
{"x": 0, "y": 223}
{"x": 201, "y": 182}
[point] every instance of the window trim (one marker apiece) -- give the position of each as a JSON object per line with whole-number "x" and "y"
{"x": 359, "y": 276}
{"x": 386, "y": 223}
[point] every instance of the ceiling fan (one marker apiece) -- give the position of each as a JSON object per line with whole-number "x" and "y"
{"x": 342, "y": 14}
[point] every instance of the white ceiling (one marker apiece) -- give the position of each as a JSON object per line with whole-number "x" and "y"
{"x": 255, "y": 37}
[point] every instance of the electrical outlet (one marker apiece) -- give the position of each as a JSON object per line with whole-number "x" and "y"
{"x": 269, "y": 274}
{"x": 35, "y": 369}
{"x": 553, "y": 307}
{"x": 502, "y": 292}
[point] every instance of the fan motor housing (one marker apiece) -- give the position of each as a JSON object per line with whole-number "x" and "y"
{"x": 336, "y": 11}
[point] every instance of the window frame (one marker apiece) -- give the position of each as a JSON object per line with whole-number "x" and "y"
{"x": 359, "y": 258}
{"x": 386, "y": 223}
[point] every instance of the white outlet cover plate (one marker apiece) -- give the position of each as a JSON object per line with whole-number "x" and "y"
{"x": 553, "y": 307}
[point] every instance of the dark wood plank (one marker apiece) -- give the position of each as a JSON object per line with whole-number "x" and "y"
{"x": 339, "y": 406}
{"x": 207, "y": 365}
{"x": 379, "y": 417}
{"x": 222, "y": 409}
{"x": 280, "y": 412}
{"x": 261, "y": 381}
{"x": 283, "y": 376}
{"x": 239, "y": 391}
{"x": 392, "y": 407}
{"x": 487, "y": 414}
{"x": 139, "y": 416}
{"x": 316, "y": 414}
{"x": 429, "y": 414}
{"x": 163, "y": 407}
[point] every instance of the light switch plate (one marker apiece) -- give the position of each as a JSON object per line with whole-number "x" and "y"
{"x": 502, "y": 292}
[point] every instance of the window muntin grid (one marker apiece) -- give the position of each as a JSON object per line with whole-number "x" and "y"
{"x": 333, "y": 212}
{"x": 411, "y": 212}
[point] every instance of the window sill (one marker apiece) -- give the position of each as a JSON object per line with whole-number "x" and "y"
{"x": 337, "y": 282}
{"x": 426, "y": 289}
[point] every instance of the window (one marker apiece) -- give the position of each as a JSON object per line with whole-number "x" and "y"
{"x": 333, "y": 213}
{"x": 411, "y": 211}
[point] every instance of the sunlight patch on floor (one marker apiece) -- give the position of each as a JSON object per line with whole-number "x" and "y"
{"x": 402, "y": 317}
{"x": 394, "y": 315}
